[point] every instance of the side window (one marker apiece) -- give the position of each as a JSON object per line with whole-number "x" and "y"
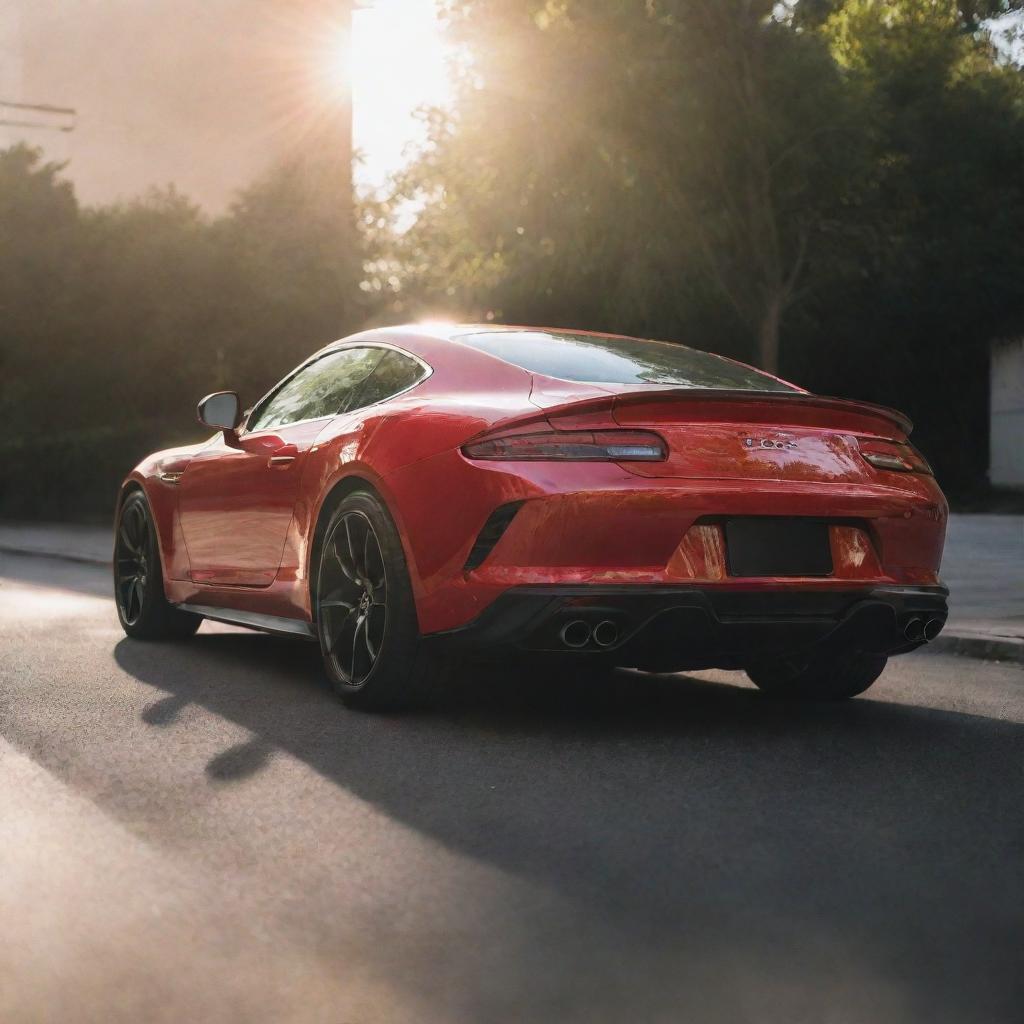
{"x": 394, "y": 373}
{"x": 323, "y": 388}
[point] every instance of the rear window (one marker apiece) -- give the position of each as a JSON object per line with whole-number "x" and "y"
{"x": 601, "y": 359}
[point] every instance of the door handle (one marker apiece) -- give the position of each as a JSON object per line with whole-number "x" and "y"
{"x": 283, "y": 457}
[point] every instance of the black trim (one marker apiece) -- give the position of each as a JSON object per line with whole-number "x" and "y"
{"x": 276, "y": 624}
{"x": 492, "y": 531}
{"x": 676, "y": 627}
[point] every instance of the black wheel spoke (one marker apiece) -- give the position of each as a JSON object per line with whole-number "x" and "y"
{"x": 127, "y": 541}
{"x": 355, "y": 648}
{"x": 369, "y": 541}
{"x": 374, "y": 566}
{"x": 352, "y": 560}
{"x": 343, "y": 558}
{"x": 374, "y": 629}
{"x": 337, "y": 623}
{"x": 138, "y": 529}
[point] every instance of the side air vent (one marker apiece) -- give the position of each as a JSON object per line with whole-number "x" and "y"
{"x": 497, "y": 523}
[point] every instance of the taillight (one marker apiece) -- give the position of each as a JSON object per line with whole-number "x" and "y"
{"x": 895, "y": 456}
{"x": 572, "y": 446}
{"x": 880, "y": 460}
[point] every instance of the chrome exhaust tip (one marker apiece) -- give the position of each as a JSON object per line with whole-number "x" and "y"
{"x": 606, "y": 633}
{"x": 575, "y": 634}
{"x": 914, "y": 630}
{"x": 932, "y": 628}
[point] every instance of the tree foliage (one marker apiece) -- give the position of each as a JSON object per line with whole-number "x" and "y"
{"x": 116, "y": 320}
{"x": 833, "y": 187}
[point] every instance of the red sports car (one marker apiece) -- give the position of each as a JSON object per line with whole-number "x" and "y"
{"x": 416, "y": 494}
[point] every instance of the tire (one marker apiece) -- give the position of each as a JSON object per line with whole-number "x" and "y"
{"x": 365, "y": 611}
{"x": 835, "y": 676}
{"x": 142, "y": 605}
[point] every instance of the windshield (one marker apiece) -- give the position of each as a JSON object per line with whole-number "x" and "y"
{"x": 602, "y": 359}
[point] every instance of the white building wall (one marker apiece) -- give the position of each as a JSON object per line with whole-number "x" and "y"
{"x": 1006, "y": 462}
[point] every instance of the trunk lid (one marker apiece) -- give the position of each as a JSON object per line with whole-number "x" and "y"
{"x": 744, "y": 436}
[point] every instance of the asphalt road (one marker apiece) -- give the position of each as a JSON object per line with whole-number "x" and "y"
{"x": 198, "y": 832}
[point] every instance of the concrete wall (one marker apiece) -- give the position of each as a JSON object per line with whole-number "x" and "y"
{"x": 204, "y": 94}
{"x": 1006, "y": 462}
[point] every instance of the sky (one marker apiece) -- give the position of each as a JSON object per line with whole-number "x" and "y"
{"x": 166, "y": 77}
{"x": 208, "y": 134}
{"x": 398, "y": 65}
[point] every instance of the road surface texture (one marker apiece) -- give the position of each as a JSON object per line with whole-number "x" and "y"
{"x": 199, "y": 832}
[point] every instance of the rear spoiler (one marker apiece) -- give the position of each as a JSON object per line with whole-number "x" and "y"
{"x": 712, "y": 405}
{"x": 775, "y": 399}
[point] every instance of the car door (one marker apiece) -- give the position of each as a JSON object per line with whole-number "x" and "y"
{"x": 237, "y": 496}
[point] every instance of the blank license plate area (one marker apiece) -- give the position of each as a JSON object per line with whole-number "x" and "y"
{"x": 777, "y": 547}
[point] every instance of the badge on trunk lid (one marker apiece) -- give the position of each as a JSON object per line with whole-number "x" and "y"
{"x": 767, "y": 442}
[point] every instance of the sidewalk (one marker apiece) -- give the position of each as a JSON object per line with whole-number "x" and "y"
{"x": 983, "y": 568}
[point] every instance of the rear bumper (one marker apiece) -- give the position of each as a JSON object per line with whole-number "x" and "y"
{"x": 686, "y": 627}
{"x": 598, "y": 525}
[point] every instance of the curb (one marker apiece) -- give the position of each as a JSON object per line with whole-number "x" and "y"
{"x": 64, "y": 556}
{"x": 968, "y": 645}
{"x": 976, "y": 645}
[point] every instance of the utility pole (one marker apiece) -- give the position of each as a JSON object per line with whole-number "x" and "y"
{"x": 37, "y": 115}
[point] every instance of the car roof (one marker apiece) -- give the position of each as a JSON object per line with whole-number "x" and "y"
{"x": 430, "y": 341}
{"x": 446, "y": 331}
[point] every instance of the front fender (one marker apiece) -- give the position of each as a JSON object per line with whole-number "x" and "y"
{"x": 158, "y": 476}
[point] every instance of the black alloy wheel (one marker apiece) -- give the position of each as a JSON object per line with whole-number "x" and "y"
{"x": 365, "y": 611}
{"x": 142, "y": 605}
{"x": 353, "y": 609}
{"x": 131, "y": 556}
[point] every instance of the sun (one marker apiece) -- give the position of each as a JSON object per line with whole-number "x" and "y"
{"x": 399, "y": 63}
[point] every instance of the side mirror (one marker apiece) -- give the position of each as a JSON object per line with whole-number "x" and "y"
{"x": 219, "y": 410}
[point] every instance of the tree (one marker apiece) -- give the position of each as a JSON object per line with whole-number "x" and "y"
{"x": 38, "y": 255}
{"x": 939, "y": 273}
{"x": 650, "y": 156}
{"x": 835, "y": 187}
{"x": 780, "y": 148}
{"x": 114, "y": 320}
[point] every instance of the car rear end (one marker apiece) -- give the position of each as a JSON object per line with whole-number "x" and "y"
{"x": 680, "y": 525}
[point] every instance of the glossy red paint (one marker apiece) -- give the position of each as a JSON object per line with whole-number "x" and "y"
{"x": 237, "y": 517}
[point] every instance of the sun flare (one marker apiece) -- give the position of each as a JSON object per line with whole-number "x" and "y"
{"x": 399, "y": 63}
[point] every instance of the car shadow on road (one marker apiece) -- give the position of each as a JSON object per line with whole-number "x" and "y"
{"x": 696, "y": 816}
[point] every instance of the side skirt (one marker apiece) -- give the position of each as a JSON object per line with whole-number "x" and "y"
{"x": 276, "y": 624}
